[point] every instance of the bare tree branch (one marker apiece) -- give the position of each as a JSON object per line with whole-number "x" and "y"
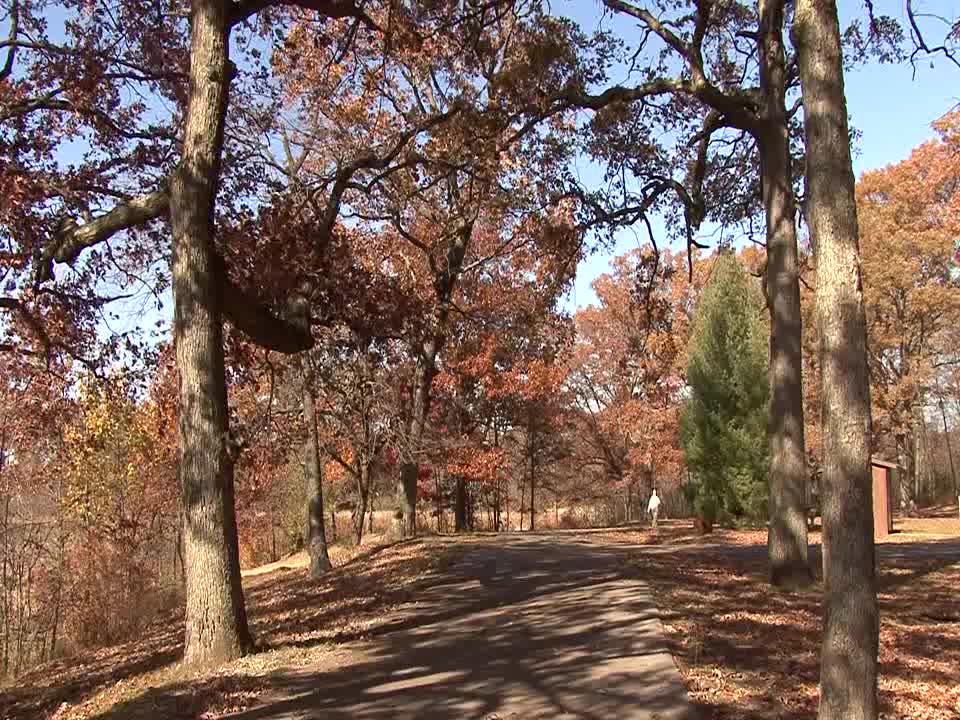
{"x": 73, "y": 239}
{"x": 920, "y": 41}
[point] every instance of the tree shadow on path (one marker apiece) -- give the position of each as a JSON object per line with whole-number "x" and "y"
{"x": 531, "y": 627}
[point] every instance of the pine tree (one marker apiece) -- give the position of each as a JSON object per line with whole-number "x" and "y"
{"x": 725, "y": 420}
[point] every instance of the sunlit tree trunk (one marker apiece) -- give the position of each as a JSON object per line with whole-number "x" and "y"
{"x": 848, "y": 661}
{"x": 787, "y": 537}
{"x": 216, "y": 621}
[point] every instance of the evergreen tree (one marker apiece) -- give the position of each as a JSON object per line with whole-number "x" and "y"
{"x": 724, "y": 422}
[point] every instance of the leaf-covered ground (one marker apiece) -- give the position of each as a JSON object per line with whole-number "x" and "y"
{"x": 748, "y": 651}
{"x": 296, "y": 620}
{"x": 745, "y": 650}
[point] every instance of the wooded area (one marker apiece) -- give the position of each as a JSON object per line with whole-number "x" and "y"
{"x": 274, "y": 272}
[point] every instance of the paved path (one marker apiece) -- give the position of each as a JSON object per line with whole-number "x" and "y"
{"x": 520, "y": 627}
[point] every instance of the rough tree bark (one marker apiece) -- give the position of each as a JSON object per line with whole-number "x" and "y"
{"x": 315, "y": 532}
{"x": 787, "y": 537}
{"x": 848, "y": 665}
{"x": 216, "y": 621}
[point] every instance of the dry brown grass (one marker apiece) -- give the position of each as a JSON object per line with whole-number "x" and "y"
{"x": 296, "y": 621}
{"x": 944, "y": 526}
{"x": 680, "y": 533}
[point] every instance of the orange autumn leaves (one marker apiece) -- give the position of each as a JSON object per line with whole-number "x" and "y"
{"x": 909, "y": 217}
{"x": 627, "y": 368}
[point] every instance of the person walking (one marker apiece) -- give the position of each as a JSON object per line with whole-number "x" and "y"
{"x": 653, "y": 507}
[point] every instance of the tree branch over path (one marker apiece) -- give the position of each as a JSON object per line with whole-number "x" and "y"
{"x": 333, "y": 9}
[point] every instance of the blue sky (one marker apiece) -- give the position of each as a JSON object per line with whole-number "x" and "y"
{"x": 890, "y": 107}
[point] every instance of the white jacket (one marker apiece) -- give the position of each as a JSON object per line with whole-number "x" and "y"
{"x": 654, "y": 503}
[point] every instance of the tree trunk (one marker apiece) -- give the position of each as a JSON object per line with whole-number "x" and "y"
{"x": 787, "y": 537}
{"x": 848, "y": 666}
{"x": 58, "y": 593}
{"x": 407, "y": 485}
{"x": 506, "y": 501}
{"x": 946, "y": 436}
{"x": 6, "y": 584}
{"x": 904, "y": 479}
{"x": 921, "y": 457}
{"x": 439, "y": 496}
{"x": 315, "y": 537}
{"x": 532, "y": 495}
{"x": 496, "y": 485}
{"x": 363, "y": 494}
{"x": 273, "y": 540}
{"x": 460, "y": 506}
{"x": 444, "y": 283}
{"x": 471, "y": 507}
{"x": 407, "y": 499}
{"x": 216, "y": 621}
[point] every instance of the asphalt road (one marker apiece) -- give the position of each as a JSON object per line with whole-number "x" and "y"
{"x": 521, "y": 626}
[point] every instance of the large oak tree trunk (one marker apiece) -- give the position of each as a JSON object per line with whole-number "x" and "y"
{"x": 216, "y": 621}
{"x": 787, "y": 537}
{"x": 848, "y": 665}
{"x": 315, "y": 532}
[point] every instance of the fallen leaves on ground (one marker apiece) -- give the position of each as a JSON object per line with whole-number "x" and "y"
{"x": 295, "y": 619}
{"x": 747, "y": 650}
